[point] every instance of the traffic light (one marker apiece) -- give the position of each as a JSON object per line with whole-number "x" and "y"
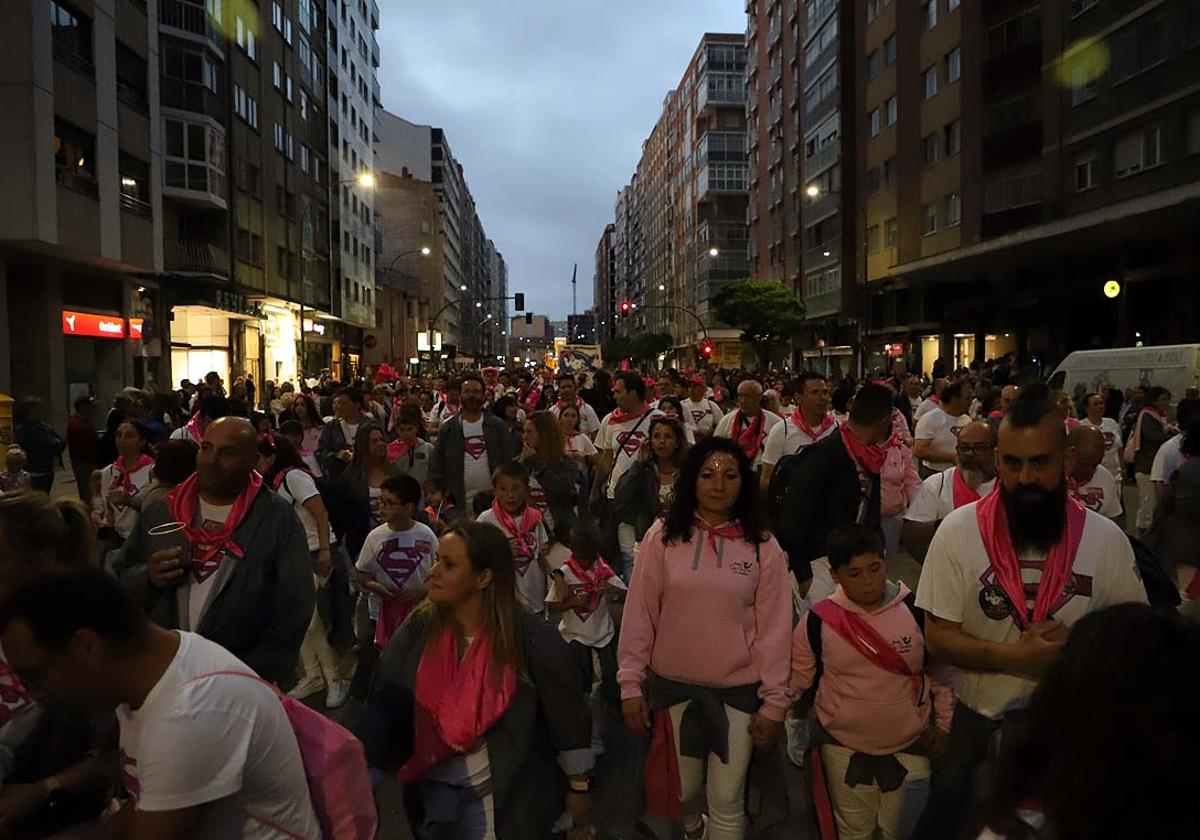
{"x": 529, "y": 319}
{"x": 626, "y": 307}
{"x": 706, "y": 348}
{"x": 519, "y": 301}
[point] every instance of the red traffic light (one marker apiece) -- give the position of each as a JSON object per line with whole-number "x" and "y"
{"x": 706, "y": 348}
{"x": 626, "y": 307}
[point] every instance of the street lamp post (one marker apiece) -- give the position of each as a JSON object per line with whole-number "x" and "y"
{"x": 814, "y": 191}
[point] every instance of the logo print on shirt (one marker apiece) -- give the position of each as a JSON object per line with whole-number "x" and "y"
{"x": 1109, "y": 439}
{"x": 202, "y": 569}
{"x": 1092, "y": 499}
{"x": 628, "y": 442}
{"x": 584, "y": 612}
{"x": 697, "y": 416}
{"x": 995, "y": 603}
{"x": 400, "y": 561}
{"x": 476, "y": 446}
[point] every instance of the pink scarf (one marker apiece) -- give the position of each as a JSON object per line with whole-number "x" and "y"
{"x": 208, "y": 546}
{"x": 866, "y": 640}
{"x": 13, "y": 695}
{"x": 993, "y": 528}
{"x": 522, "y": 533}
{"x": 803, "y": 425}
{"x": 193, "y": 428}
{"x": 728, "y": 531}
{"x": 123, "y": 478}
{"x": 397, "y": 449}
{"x": 869, "y": 458}
{"x": 750, "y": 438}
{"x": 964, "y": 494}
{"x": 591, "y": 582}
{"x": 456, "y": 702}
{"x": 620, "y": 415}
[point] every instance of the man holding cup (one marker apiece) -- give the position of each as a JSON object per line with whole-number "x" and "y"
{"x": 225, "y": 557}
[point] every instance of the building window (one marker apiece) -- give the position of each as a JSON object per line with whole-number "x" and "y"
{"x": 930, "y": 78}
{"x": 135, "y": 184}
{"x": 1085, "y": 171}
{"x": 194, "y": 157}
{"x": 953, "y": 133}
{"x": 1023, "y": 189}
{"x": 1138, "y": 47}
{"x": 893, "y": 110}
{"x": 930, "y": 149}
{"x": 874, "y": 64}
{"x": 74, "y": 156}
{"x": 303, "y": 105}
{"x": 872, "y": 9}
{"x": 246, "y": 39}
{"x": 929, "y": 219}
{"x": 953, "y": 65}
{"x": 889, "y": 51}
{"x": 1024, "y": 28}
{"x": 1085, "y": 77}
{"x": 245, "y": 106}
{"x": 277, "y": 74}
{"x": 1193, "y": 131}
{"x": 891, "y": 233}
{"x": 874, "y": 180}
{"x": 953, "y": 209}
{"x": 873, "y": 119}
{"x": 71, "y": 35}
{"x": 951, "y": 5}
{"x": 131, "y": 78}
{"x": 304, "y": 158}
{"x": 1137, "y": 151}
{"x": 929, "y": 14}
{"x": 889, "y": 172}
{"x": 872, "y": 239}
{"x": 1078, "y": 7}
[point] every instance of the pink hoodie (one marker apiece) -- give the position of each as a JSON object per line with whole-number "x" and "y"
{"x": 714, "y": 618}
{"x": 866, "y": 708}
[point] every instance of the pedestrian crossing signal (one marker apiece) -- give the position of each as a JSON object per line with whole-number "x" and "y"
{"x": 626, "y": 307}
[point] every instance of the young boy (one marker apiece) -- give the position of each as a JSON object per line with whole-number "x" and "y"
{"x": 874, "y": 696}
{"x": 14, "y": 476}
{"x": 396, "y": 557}
{"x": 440, "y": 507}
{"x": 511, "y": 513}
{"x": 408, "y": 453}
{"x": 583, "y": 587}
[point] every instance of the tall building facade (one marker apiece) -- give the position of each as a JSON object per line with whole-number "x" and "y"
{"x": 604, "y": 281}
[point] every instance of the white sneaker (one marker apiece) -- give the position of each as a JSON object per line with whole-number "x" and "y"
{"x": 338, "y": 693}
{"x": 307, "y": 687}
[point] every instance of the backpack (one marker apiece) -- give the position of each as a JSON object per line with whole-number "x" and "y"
{"x": 1161, "y": 589}
{"x": 778, "y": 488}
{"x": 335, "y": 768}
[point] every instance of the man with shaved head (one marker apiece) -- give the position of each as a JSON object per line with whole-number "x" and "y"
{"x": 1090, "y": 482}
{"x": 237, "y": 570}
{"x": 972, "y": 477}
{"x": 749, "y": 423}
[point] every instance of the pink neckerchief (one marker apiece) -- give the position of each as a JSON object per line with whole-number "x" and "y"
{"x": 993, "y": 529}
{"x": 208, "y": 546}
{"x": 520, "y": 531}
{"x": 123, "y": 478}
{"x": 591, "y": 581}
{"x": 727, "y": 530}
{"x": 620, "y": 415}
{"x": 193, "y": 428}
{"x": 803, "y": 424}
{"x": 13, "y": 695}
{"x": 397, "y": 449}
{"x": 751, "y": 439}
{"x": 964, "y": 494}
{"x": 866, "y": 640}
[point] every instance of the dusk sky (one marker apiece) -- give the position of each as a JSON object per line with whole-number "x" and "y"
{"x": 545, "y": 103}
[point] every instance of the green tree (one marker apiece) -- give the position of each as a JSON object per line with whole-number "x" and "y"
{"x": 639, "y": 348}
{"x": 617, "y": 349}
{"x": 767, "y": 313}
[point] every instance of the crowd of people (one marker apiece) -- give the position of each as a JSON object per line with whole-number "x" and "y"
{"x": 487, "y": 566}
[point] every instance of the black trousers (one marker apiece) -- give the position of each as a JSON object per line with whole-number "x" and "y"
{"x": 959, "y": 780}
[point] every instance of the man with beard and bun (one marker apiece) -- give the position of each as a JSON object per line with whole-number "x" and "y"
{"x": 749, "y": 423}
{"x": 568, "y": 394}
{"x": 809, "y": 423}
{"x": 971, "y": 478}
{"x": 1090, "y": 482}
{"x": 245, "y": 580}
{"x": 470, "y": 445}
{"x": 1004, "y": 579}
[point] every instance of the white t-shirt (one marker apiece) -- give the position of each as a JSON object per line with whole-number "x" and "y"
{"x": 958, "y": 585}
{"x": 787, "y": 439}
{"x": 374, "y": 509}
{"x": 531, "y": 580}
{"x": 927, "y": 405}
{"x": 589, "y": 423}
{"x": 1167, "y": 460}
{"x": 1102, "y": 494}
{"x": 349, "y": 431}
{"x": 477, "y": 471}
{"x": 124, "y": 516}
{"x": 581, "y": 444}
{"x": 223, "y": 742}
{"x": 770, "y": 421}
{"x": 1113, "y": 445}
{"x": 624, "y": 440}
{"x": 942, "y": 429}
{"x": 935, "y": 499}
{"x": 397, "y": 559}
{"x": 702, "y": 416}
{"x": 297, "y": 488}
{"x": 593, "y": 628}
{"x": 212, "y": 518}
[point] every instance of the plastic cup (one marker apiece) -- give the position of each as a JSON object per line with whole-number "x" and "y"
{"x": 170, "y": 536}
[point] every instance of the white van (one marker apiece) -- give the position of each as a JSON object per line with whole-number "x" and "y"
{"x": 1175, "y": 367}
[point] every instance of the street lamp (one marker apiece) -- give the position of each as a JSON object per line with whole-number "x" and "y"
{"x": 363, "y": 179}
{"x": 463, "y": 287}
{"x": 661, "y": 288}
{"x": 714, "y": 251}
{"x": 813, "y": 191}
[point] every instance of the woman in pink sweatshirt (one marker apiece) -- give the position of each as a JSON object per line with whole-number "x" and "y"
{"x": 705, "y": 643}
{"x": 880, "y": 711}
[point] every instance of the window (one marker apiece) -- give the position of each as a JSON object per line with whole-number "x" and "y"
{"x": 953, "y": 136}
{"x": 874, "y": 64}
{"x": 873, "y": 118}
{"x": 1078, "y": 7}
{"x": 953, "y": 209}
{"x": 929, "y": 14}
{"x": 281, "y": 260}
{"x": 951, "y": 5}
{"x": 953, "y": 65}
{"x": 1137, "y": 151}
{"x": 135, "y": 183}
{"x": 131, "y": 78}
{"x": 872, "y": 10}
{"x": 930, "y": 79}
{"x": 889, "y": 51}
{"x": 1085, "y": 171}
{"x": 245, "y": 106}
{"x": 280, "y": 134}
{"x": 1024, "y": 28}
{"x": 874, "y": 180}
{"x": 1086, "y": 70}
{"x": 245, "y": 39}
{"x": 1008, "y": 192}
{"x": 303, "y": 105}
{"x": 1138, "y": 47}
{"x": 893, "y": 110}
{"x": 1193, "y": 131}
{"x": 71, "y": 34}
{"x": 194, "y": 157}
{"x": 889, "y": 172}
{"x": 872, "y": 239}
{"x": 929, "y": 219}
{"x": 930, "y": 149}
{"x": 304, "y": 158}
{"x": 891, "y": 233}
{"x": 277, "y": 73}
{"x": 74, "y": 150}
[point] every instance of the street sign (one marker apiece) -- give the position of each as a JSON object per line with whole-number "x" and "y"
{"x": 93, "y": 326}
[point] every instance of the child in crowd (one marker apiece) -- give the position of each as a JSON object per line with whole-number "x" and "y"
{"x": 14, "y": 476}
{"x": 879, "y": 714}
{"x": 583, "y": 587}
{"x": 294, "y": 431}
{"x": 440, "y": 507}
{"x": 408, "y": 453}
{"x": 522, "y": 523}
{"x": 395, "y": 558}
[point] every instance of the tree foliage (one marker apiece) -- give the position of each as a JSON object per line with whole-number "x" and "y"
{"x": 639, "y": 348}
{"x": 767, "y": 313}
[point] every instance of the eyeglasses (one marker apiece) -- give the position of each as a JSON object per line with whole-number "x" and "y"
{"x": 975, "y": 448}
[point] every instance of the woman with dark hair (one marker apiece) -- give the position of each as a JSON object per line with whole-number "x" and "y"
{"x": 555, "y": 481}
{"x": 1149, "y": 433}
{"x": 672, "y": 408}
{"x": 1175, "y": 534}
{"x": 305, "y": 411}
{"x": 1111, "y": 739}
{"x": 174, "y": 461}
{"x": 707, "y": 634}
{"x": 124, "y": 481}
{"x": 508, "y": 410}
{"x": 600, "y": 395}
{"x": 108, "y": 440}
{"x": 354, "y": 495}
{"x": 577, "y": 444}
{"x": 42, "y": 445}
{"x": 480, "y": 706}
{"x": 644, "y": 492}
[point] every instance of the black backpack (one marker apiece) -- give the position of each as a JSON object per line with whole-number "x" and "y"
{"x": 776, "y": 499}
{"x": 1161, "y": 589}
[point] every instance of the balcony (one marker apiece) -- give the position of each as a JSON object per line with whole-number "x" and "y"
{"x": 191, "y": 256}
{"x": 821, "y": 207}
{"x": 825, "y": 157}
{"x": 719, "y": 179}
{"x": 821, "y": 109}
{"x": 816, "y": 257}
{"x": 192, "y": 22}
{"x": 822, "y": 304}
{"x": 716, "y": 90}
{"x": 195, "y": 184}
{"x": 722, "y": 146}
{"x": 821, "y": 11}
{"x": 191, "y": 97}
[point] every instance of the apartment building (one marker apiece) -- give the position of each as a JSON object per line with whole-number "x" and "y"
{"x": 604, "y": 283}
{"x": 81, "y": 227}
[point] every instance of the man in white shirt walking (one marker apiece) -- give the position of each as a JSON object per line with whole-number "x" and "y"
{"x": 937, "y": 431}
{"x": 749, "y": 423}
{"x": 808, "y": 423}
{"x": 568, "y": 394}
{"x": 622, "y": 432}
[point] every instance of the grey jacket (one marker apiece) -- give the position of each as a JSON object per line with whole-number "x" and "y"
{"x": 333, "y": 440}
{"x": 263, "y": 602}
{"x": 446, "y": 468}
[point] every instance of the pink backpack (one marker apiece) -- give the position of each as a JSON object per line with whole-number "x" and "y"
{"x": 335, "y": 767}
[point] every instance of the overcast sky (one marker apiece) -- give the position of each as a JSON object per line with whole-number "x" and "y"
{"x": 545, "y": 103}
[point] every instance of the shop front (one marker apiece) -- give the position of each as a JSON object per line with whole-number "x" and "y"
{"x": 213, "y": 329}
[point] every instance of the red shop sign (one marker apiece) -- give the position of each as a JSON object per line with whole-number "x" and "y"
{"x": 135, "y": 328}
{"x": 93, "y": 326}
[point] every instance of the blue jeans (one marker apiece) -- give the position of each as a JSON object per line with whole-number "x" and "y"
{"x": 456, "y": 813}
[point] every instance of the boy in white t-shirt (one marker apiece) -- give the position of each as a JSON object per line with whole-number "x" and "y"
{"x": 701, "y": 413}
{"x": 522, "y": 524}
{"x": 396, "y": 557}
